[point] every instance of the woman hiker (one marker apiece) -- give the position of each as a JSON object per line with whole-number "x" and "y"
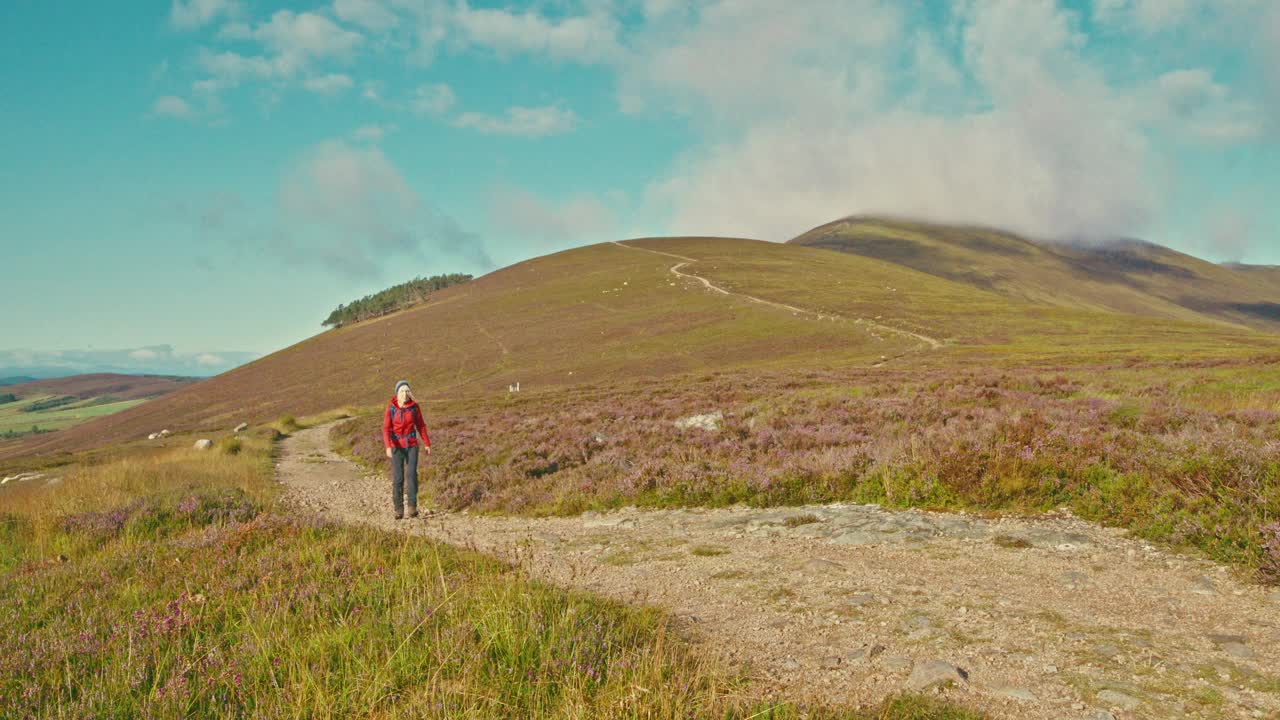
{"x": 402, "y": 425}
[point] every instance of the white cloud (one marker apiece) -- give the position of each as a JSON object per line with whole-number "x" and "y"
{"x": 193, "y": 14}
{"x": 1162, "y": 15}
{"x": 433, "y": 99}
{"x": 306, "y": 35}
{"x": 588, "y": 38}
{"x": 208, "y": 359}
{"x": 330, "y": 84}
{"x": 229, "y": 68}
{"x": 1053, "y": 151}
{"x": 1190, "y": 101}
{"x": 144, "y": 354}
{"x": 521, "y": 214}
{"x": 522, "y": 121}
{"x": 372, "y": 133}
{"x": 351, "y": 210}
{"x": 293, "y": 44}
{"x": 370, "y": 14}
{"x": 172, "y": 106}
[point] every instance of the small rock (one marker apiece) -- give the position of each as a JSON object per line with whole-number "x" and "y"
{"x": 1203, "y": 586}
{"x": 791, "y": 665}
{"x": 935, "y": 673}
{"x": 164, "y": 433}
{"x": 203, "y": 444}
{"x": 153, "y": 436}
{"x": 924, "y": 633}
{"x": 1101, "y": 715}
{"x": 818, "y": 565}
{"x": 1051, "y": 669}
{"x": 860, "y": 599}
{"x": 1237, "y": 650}
{"x": 897, "y": 662}
{"x": 831, "y": 662}
{"x": 1119, "y": 699}
{"x": 1107, "y": 650}
{"x": 241, "y": 428}
{"x": 919, "y": 622}
{"x": 1016, "y": 693}
{"x": 863, "y": 653}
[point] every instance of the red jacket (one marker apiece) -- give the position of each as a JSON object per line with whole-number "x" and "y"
{"x": 402, "y": 426}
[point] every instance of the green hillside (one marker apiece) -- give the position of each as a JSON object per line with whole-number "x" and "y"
{"x": 616, "y": 312}
{"x": 1125, "y": 276}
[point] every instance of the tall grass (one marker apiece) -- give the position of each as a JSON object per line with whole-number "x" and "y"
{"x": 173, "y": 585}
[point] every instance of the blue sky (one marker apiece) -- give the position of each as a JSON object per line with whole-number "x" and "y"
{"x": 201, "y": 181}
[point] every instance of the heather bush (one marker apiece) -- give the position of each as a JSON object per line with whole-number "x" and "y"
{"x": 1116, "y": 448}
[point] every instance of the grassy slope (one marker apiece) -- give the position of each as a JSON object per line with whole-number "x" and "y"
{"x": 1129, "y": 277}
{"x": 170, "y": 584}
{"x": 95, "y": 394}
{"x": 604, "y": 313}
{"x": 12, "y": 416}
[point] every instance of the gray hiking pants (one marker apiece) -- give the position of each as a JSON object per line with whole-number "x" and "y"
{"x": 404, "y": 477}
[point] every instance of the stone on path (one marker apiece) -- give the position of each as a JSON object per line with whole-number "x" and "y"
{"x": 1119, "y": 699}
{"x": 1016, "y": 693}
{"x": 935, "y": 673}
{"x": 1203, "y": 585}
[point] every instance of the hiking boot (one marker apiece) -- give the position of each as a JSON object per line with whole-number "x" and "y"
{"x": 399, "y": 514}
{"x": 413, "y": 511}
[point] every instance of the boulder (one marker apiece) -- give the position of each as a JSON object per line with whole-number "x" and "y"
{"x": 164, "y": 433}
{"x": 241, "y": 428}
{"x": 203, "y": 444}
{"x": 153, "y": 436}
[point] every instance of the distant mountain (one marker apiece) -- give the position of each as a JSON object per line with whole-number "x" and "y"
{"x": 149, "y": 360}
{"x": 14, "y": 380}
{"x": 117, "y": 386}
{"x": 1129, "y": 276}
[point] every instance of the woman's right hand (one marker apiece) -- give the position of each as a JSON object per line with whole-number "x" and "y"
{"x": 388, "y": 452}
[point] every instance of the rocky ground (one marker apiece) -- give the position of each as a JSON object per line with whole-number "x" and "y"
{"x": 1048, "y": 617}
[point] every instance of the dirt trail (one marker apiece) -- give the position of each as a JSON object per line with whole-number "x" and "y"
{"x": 1049, "y": 618}
{"x": 676, "y": 270}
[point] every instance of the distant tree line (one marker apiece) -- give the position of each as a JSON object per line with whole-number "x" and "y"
{"x": 392, "y": 299}
{"x": 49, "y": 404}
{"x": 8, "y": 398}
{"x": 15, "y": 434}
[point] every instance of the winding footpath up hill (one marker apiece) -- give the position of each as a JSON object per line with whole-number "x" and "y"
{"x": 678, "y": 272}
{"x": 1028, "y": 618}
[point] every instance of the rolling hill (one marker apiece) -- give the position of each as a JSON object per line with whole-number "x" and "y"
{"x": 1126, "y": 276}
{"x": 651, "y": 308}
{"x": 59, "y": 403}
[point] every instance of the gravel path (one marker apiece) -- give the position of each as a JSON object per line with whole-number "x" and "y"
{"x": 1045, "y": 618}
